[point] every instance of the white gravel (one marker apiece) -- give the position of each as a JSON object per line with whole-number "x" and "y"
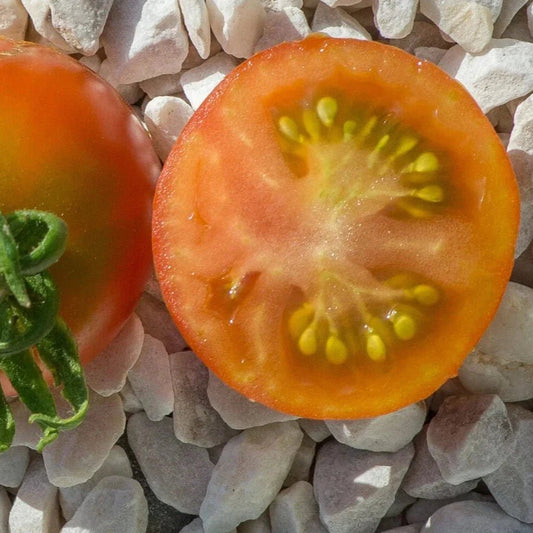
{"x": 205, "y": 458}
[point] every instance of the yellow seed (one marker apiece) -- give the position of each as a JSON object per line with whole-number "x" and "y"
{"x": 426, "y": 162}
{"x": 375, "y": 348}
{"x": 430, "y": 193}
{"x": 289, "y": 128}
{"x": 382, "y": 142}
{"x": 404, "y": 326}
{"x": 327, "y": 108}
{"x": 299, "y": 320}
{"x": 349, "y": 128}
{"x": 307, "y": 342}
{"x": 311, "y": 123}
{"x": 369, "y": 126}
{"x": 372, "y": 158}
{"x": 415, "y": 209}
{"x": 406, "y": 144}
{"x": 426, "y": 294}
{"x": 336, "y": 351}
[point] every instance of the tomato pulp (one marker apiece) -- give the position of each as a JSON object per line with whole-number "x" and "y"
{"x": 71, "y": 146}
{"x": 335, "y": 227}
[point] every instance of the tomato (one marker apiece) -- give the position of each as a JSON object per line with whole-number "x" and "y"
{"x": 71, "y": 146}
{"x": 335, "y": 227}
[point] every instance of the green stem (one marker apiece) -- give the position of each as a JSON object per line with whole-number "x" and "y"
{"x": 7, "y": 424}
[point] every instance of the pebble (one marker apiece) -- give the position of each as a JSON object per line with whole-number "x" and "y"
{"x": 394, "y": 19}
{"x": 257, "y": 525}
{"x": 13, "y": 464}
{"x": 130, "y": 402}
{"x": 145, "y": 38}
{"x": 469, "y": 24}
{"x": 238, "y": 411}
{"x": 278, "y": 5}
{"x": 177, "y": 473}
{"x": 77, "y": 454}
{"x": 470, "y": 436}
{"x": 195, "y": 420}
{"x": 150, "y": 379}
{"x": 115, "y": 504}
{"x": 107, "y": 373}
{"x": 196, "y": 20}
{"x": 198, "y": 82}
{"x": 115, "y": 464}
{"x": 295, "y": 509}
{"x": 512, "y": 483}
{"x": 430, "y": 53}
{"x": 502, "y": 362}
{"x": 237, "y": 24}
{"x": 409, "y": 528}
{"x": 302, "y": 463}
{"x": 500, "y": 74}
{"x": 5, "y": 509}
{"x": 336, "y": 3}
{"x": 402, "y": 500}
{"x": 508, "y": 11}
{"x": 355, "y": 488}
{"x": 474, "y": 517}
{"x": 335, "y": 22}
{"x": 130, "y": 92}
{"x": 13, "y": 19}
{"x": 316, "y": 429}
{"x": 423, "y": 34}
{"x": 164, "y": 85}
{"x": 35, "y": 507}
{"x": 386, "y": 433}
{"x": 41, "y": 18}
{"x": 249, "y": 474}
{"x": 424, "y": 479}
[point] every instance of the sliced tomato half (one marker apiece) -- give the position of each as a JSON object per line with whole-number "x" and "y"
{"x": 335, "y": 227}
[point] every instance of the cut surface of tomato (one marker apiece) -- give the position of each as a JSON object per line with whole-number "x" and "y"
{"x": 335, "y": 227}
{"x": 72, "y": 147}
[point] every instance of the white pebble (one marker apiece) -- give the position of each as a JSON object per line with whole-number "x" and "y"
{"x": 130, "y": 92}
{"x": 145, "y": 38}
{"x": 337, "y": 3}
{"x": 13, "y": 19}
{"x": 288, "y": 24}
{"x": 278, "y": 5}
{"x": 78, "y": 453}
{"x": 236, "y": 410}
{"x": 302, "y": 463}
{"x": 249, "y": 474}
{"x": 107, "y": 373}
{"x": 335, "y": 22}
{"x": 164, "y": 85}
{"x": 386, "y": 433}
{"x": 41, "y": 17}
{"x": 470, "y": 436}
{"x": 509, "y": 9}
{"x": 165, "y": 118}
{"x": 35, "y": 507}
{"x": 430, "y": 53}
{"x": 467, "y": 22}
{"x": 423, "y": 34}
{"x": 503, "y": 72}
{"x": 237, "y": 24}
{"x": 13, "y": 464}
{"x": 115, "y": 504}
{"x": 198, "y": 82}
{"x": 257, "y": 525}
{"x": 196, "y": 20}
{"x": 177, "y": 473}
{"x": 316, "y": 429}
{"x": 394, "y": 19}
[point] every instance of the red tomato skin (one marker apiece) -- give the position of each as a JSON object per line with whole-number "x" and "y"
{"x": 72, "y": 146}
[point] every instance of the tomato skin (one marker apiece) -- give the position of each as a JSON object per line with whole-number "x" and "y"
{"x": 214, "y": 210}
{"x": 71, "y": 146}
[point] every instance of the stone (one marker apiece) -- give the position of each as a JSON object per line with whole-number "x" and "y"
{"x": 35, "y": 507}
{"x": 468, "y": 23}
{"x": 5, "y": 509}
{"x": 335, "y": 22}
{"x": 115, "y": 504}
{"x": 474, "y": 517}
{"x": 295, "y": 509}
{"x": 177, "y": 473}
{"x": 92, "y": 62}
{"x": 78, "y": 453}
{"x": 107, "y": 373}
{"x": 289, "y": 24}
{"x": 165, "y": 118}
{"x": 470, "y": 436}
{"x": 278, "y": 5}
{"x": 508, "y": 10}
{"x": 249, "y": 474}
{"x": 402, "y": 500}
{"x": 80, "y": 23}
{"x": 337, "y": 3}
{"x": 158, "y": 323}
{"x": 424, "y": 34}
{"x": 503, "y": 72}
{"x": 115, "y": 464}
{"x": 409, "y": 528}
{"x": 355, "y": 488}
{"x": 511, "y": 484}
{"x": 13, "y": 464}
{"x": 237, "y": 24}
{"x": 130, "y": 92}
{"x": 13, "y": 19}
{"x": 451, "y": 387}
{"x": 238, "y": 411}
{"x": 386, "y": 433}
{"x": 502, "y": 362}
{"x": 302, "y": 463}
{"x": 257, "y": 525}
{"x": 26, "y": 434}
{"x": 316, "y": 429}
{"x": 394, "y": 19}
{"x": 164, "y": 85}
{"x": 145, "y": 38}
{"x": 196, "y": 20}
{"x": 198, "y": 82}
{"x": 424, "y": 479}
{"x": 130, "y": 402}
{"x": 195, "y": 420}
{"x": 430, "y": 53}
{"x": 150, "y": 379}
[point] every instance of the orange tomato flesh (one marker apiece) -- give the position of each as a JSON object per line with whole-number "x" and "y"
{"x": 293, "y": 226}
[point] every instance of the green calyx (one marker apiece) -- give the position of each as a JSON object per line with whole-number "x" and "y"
{"x": 30, "y": 242}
